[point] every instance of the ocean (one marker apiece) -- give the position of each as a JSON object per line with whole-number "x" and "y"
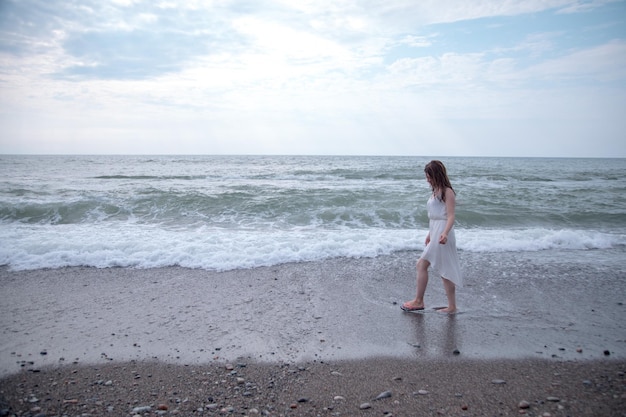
{"x": 235, "y": 212}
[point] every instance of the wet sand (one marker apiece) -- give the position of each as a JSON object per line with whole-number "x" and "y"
{"x": 318, "y": 330}
{"x": 331, "y": 310}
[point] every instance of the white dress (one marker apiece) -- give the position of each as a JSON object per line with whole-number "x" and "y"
{"x": 444, "y": 259}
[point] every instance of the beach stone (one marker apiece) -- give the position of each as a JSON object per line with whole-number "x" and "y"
{"x": 498, "y": 381}
{"x": 553, "y": 399}
{"x": 365, "y": 406}
{"x": 422, "y": 392}
{"x": 385, "y": 394}
{"x": 524, "y": 404}
{"x": 141, "y": 409}
{"x": 162, "y": 407}
{"x": 339, "y": 398}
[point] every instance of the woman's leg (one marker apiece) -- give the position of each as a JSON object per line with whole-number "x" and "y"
{"x": 422, "y": 282}
{"x": 451, "y": 294}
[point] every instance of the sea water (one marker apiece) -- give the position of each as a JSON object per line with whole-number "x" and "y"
{"x": 232, "y": 212}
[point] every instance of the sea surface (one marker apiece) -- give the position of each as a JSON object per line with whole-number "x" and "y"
{"x": 233, "y": 212}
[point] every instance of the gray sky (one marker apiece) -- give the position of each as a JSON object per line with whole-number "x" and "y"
{"x": 392, "y": 77}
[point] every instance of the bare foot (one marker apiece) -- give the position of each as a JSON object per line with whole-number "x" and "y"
{"x": 446, "y": 310}
{"x": 412, "y": 306}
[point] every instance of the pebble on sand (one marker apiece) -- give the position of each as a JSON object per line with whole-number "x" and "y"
{"x": 141, "y": 409}
{"x": 385, "y": 394}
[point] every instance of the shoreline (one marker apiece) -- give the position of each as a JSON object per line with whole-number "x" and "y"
{"x": 337, "y": 309}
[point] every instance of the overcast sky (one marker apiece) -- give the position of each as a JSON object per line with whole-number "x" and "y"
{"x": 389, "y": 77}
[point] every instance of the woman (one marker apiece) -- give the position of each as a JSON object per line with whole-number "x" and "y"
{"x": 440, "y": 253}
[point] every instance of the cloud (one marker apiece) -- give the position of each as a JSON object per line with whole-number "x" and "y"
{"x": 135, "y": 39}
{"x": 600, "y": 64}
{"x": 585, "y": 6}
{"x": 320, "y": 76}
{"x": 135, "y": 54}
{"x": 123, "y": 40}
{"x": 407, "y": 13}
{"x": 143, "y": 42}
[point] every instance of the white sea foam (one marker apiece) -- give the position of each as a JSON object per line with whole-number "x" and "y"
{"x": 34, "y": 247}
{"x": 536, "y": 239}
{"x": 241, "y": 212}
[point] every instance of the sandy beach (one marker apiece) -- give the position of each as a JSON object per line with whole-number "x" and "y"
{"x": 372, "y": 387}
{"x": 317, "y": 338}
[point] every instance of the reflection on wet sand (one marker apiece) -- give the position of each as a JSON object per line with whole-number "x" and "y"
{"x": 436, "y": 334}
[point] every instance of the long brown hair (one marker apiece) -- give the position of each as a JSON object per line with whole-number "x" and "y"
{"x": 438, "y": 175}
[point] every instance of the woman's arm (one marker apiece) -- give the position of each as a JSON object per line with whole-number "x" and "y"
{"x": 450, "y": 205}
